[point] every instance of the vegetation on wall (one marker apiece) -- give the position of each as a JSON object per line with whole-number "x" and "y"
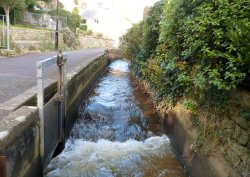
{"x": 195, "y": 52}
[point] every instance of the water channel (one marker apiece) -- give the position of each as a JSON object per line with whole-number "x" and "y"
{"x": 117, "y": 134}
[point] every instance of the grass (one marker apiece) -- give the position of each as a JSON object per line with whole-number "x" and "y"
{"x": 25, "y": 27}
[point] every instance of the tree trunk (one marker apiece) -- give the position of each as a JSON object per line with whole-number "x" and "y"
{"x": 7, "y": 13}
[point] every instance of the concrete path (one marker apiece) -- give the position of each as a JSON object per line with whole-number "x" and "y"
{"x": 18, "y": 74}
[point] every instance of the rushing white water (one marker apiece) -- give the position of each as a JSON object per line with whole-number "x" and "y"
{"x": 106, "y": 158}
{"x": 111, "y": 138}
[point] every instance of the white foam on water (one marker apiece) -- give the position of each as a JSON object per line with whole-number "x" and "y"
{"x": 105, "y": 158}
{"x": 119, "y": 66}
{"x": 111, "y": 136}
{"x": 3, "y": 134}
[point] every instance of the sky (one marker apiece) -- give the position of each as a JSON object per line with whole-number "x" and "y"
{"x": 124, "y": 14}
{"x": 69, "y": 4}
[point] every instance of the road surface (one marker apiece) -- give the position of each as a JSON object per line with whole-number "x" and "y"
{"x": 18, "y": 74}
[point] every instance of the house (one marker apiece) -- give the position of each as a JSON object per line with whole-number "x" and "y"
{"x": 112, "y": 18}
{"x": 96, "y": 14}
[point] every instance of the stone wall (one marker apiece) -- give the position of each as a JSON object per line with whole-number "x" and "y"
{"x": 32, "y": 40}
{"x": 237, "y": 126}
{"x": 114, "y": 53}
{"x": 231, "y": 159}
{"x": 89, "y": 42}
{"x": 31, "y": 35}
{"x": 228, "y": 159}
{"x": 183, "y": 135}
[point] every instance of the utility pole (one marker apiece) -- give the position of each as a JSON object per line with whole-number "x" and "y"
{"x": 57, "y": 34}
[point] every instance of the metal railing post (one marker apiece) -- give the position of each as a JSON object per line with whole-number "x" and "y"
{"x": 60, "y": 96}
{"x": 40, "y": 104}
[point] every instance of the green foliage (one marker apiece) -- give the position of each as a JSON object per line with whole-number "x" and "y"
{"x": 151, "y": 31}
{"x": 30, "y": 4}
{"x": 84, "y": 27}
{"x": 47, "y": 1}
{"x": 11, "y": 3}
{"x": 206, "y": 36}
{"x": 75, "y": 11}
{"x": 199, "y": 47}
{"x": 130, "y": 42}
{"x": 190, "y": 105}
{"x": 216, "y": 36}
{"x": 73, "y": 20}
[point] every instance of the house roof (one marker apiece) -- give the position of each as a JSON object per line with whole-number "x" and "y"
{"x": 92, "y": 14}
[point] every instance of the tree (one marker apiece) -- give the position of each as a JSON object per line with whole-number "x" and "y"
{"x": 47, "y": 1}
{"x": 130, "y": 42}
{"x": 75, "y": 11}
{"x": 7, "y": 6}
{"x": 151, "y": 30}
{"x": 30, "y": 4}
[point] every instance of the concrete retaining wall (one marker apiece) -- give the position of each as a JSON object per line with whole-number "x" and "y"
{"x": 182, "y": 135}
{"x": 79, "y": 85}
{"x": 19, "y": 132}
{"x": 19, "y": 142}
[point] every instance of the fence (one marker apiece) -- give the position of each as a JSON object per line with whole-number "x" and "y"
{"x": 40, "y": 20}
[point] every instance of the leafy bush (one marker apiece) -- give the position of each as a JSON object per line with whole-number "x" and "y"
{"x": 151, "y": 30}
{"x": 203, "y": 46}
{"x": 199, "y": 52}
{"x": 84, "y": 27}
{"x": 130, "y": 42}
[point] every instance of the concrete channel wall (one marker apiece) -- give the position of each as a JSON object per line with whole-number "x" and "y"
{"x": 19, "y": 132}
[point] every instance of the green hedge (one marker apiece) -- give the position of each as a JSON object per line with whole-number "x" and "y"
{"x": 202, "y": 49}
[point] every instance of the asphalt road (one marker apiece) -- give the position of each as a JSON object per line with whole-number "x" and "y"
{"x": 18, "y": 74}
